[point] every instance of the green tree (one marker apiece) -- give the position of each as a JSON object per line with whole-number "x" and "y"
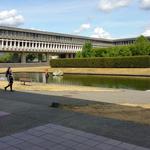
{"x": 10, "y": 58}
{"x": 4, "y": 58}
{"x": 87, "y": 50}
{"x": 15, "y": 57}
{"x": 79, "y": 54}
{"x": 99, "y": 51}
{"x": 142, "y": 46}
{"x": 112, "y": 52}
{"x": 124, "y": 51}
{"x": 31, "y": 57}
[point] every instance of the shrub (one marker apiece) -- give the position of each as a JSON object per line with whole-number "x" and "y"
{"x": 140, "y": 47}
{"x": 109, "y": 62}
{"x": 87, "y": 50}
{"x": 9, "y": 58}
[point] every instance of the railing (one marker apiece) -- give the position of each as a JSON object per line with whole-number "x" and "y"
{"x": 26, "y": 49}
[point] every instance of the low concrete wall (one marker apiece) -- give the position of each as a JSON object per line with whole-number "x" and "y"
{"x": 20, "y": 65}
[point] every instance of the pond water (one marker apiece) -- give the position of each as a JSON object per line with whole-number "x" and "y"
{"x": 136, "y": 83}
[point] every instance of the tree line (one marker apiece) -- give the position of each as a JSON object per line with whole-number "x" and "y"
{"x": 140, "y": 47}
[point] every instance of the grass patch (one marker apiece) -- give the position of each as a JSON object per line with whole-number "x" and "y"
{"x": 114, "y": 111}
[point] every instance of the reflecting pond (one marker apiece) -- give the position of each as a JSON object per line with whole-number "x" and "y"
{"x": 136, "y": 83}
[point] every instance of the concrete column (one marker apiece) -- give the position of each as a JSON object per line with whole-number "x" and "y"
{"x": 72, "y": 55}
{"x": 23, "y": 58}
{"x": 48, "y": 57}
{"x": 37, "y": 45}
{"x": 56, "y": 46}
{"x": 32, "y": 47}
{"x": 42, "y": 45}
{"x": 45, "y": 47}
{"x": 10, "y": 44}
{"x": 15, "y": 44}
{"x": 60, "y": 47}
{"x": 2, "y": 43}
{"x": 67, "y": 55}
{"x": 6, "y": 43}
{"x": 26, "y": 45}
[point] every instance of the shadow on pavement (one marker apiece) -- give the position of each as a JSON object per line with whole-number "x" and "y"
{"x": 29, "y": 110}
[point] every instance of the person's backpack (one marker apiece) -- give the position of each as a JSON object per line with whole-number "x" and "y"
{"x": 6, "y": 74}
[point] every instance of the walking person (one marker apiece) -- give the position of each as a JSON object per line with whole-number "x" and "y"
{"x": 10, "y": 79}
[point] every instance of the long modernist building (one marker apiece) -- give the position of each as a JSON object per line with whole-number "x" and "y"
{"x": 63, "y": 45}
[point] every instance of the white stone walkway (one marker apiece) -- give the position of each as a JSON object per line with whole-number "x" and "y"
{"x": 56, "y": 137}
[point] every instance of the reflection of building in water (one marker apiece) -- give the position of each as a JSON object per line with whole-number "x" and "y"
{"x": 37, "y": 77}
{"x": 43, "y": 78}
{"x": 58, "y": 79}
{"x": 2, "y": 77}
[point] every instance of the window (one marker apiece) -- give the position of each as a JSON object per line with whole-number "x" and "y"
{"x": 4, "y": 43}
{"x": 13, "y": 43}
{"x": 20, "y": 44}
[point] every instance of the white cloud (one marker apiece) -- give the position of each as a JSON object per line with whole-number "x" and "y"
{"x": 145, "y": 4}
{"x": 109, "y": 5}
{"x": 99, "y": 32}
{"x": 83, "y": 27}
{"x": 146, "y": 32}
{"x": 11, "y": 18}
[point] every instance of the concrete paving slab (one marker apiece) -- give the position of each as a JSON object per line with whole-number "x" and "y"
{"x": 53, "y": 142}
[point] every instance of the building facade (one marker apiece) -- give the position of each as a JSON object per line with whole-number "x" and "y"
{"x": 52, "y": 44}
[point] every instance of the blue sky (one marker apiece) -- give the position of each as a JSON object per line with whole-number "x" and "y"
{"x": 97, "y": 18}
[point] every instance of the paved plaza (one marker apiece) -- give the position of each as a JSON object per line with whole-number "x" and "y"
{"x": 56, "y": 137}
{"x": 27, "y": 122}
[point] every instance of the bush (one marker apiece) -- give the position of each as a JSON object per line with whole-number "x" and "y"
{"x": 116, "y": 51}
{"x": 5, "y": 58}
{"x": 9, "y": 58}
{"x": 109, "y": 62}
{"x": 100, "y": 52}
{"x": 124, "y": 51}
{"x": 79, "y": 54}
{"x": 140, "y": 47}
{"x": 87, "y": 50}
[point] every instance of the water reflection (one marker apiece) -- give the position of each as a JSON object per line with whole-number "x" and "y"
{"x": 57, "y": 79}
{"x": 90, "y": 80}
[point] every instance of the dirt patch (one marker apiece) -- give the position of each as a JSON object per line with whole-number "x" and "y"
{"x": 115, "y": 111}
{"x": 51, "y": 87}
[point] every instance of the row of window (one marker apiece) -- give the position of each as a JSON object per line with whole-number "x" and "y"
{"x": 46, "y": 37}
{"x": 38, "y": 45}
{"x": 36, "y": 36}
{"x": 124, "y": 42}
